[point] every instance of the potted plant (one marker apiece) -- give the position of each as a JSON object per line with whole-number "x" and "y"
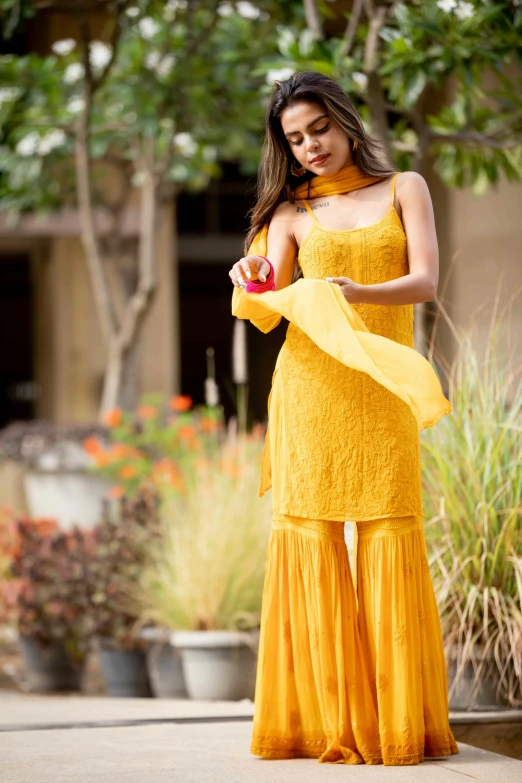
{"x": 51, "y": 603}
{"x": 58, "y": 483}
{"x": 205, "y": 574}
{"x": 123, "y": 537}
{"x": 156, "y": 446}
{"x": 473, "y": 492}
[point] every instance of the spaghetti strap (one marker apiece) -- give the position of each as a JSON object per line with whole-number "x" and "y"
{"x": 309, "y": 208}
{"x": 394, "y": 180}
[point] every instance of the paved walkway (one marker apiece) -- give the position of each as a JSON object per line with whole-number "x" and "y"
{"x": 74, "y": 739}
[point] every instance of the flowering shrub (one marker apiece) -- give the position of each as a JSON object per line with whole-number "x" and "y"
{"x": 157, "y": 445}
{"x": 51, "y": 600}
{"x": 72, "y": 586}
{"x": 124, "y": 537}
{"x": 9, "y": 547}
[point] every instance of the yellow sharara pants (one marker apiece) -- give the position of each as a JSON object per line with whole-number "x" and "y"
{"x": 345, "y": 683}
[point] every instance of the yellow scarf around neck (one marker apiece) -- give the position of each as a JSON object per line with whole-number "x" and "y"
{"x": 349, "y": 178}
{"x": 320, "y": 309}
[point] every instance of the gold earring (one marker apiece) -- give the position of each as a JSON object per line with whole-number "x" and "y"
{"x": 355, "y": 144}
{"x": 297, "y": 172}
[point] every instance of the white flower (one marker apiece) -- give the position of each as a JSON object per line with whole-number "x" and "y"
{"x": 64, "y": 47}
{"x": 225, "y": 9}
{"x": 279, "y": 74}
{"x": 186, "y": 143}
{"x": 73, "y": 73}
{"x": 162, "y": 65}
{"x": 138, "y": 179}
{"x": 172, "y": 7}
{"x": 8, "y": 94}
{"x": 50, "y": 141}
{"x": 132, "y": 12}
{"x": 99, "y": 54}
{"x": 447, "y": 5}
{"x": 75, "y": 105}
{"x": 247, "y": 10}
{"x": 33, "y": 143}
{"x": 464, "y": 10}
{"x": 28, "y": 145}
{"x": 152, "y": 60}
{"x": 148, "y": 28}
{"x": 209, "y": 154}
{"x": 166, "y": 65}
{"x": 360, "y": 79}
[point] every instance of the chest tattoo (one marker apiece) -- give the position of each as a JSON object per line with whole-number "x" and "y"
{"x": 315, "y": 206}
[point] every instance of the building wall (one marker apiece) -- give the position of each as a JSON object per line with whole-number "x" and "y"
{"x": 486, "y": 239}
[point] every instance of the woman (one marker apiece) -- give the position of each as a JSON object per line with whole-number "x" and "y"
{"x": 349, "y": 395}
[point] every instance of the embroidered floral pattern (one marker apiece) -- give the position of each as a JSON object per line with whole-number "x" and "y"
{"x": 381, "y": 683}
{"x": 352, "y": 446}
{"x": 399, "y": 635}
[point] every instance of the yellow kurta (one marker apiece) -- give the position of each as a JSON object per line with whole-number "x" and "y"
{"x": 349, "y": 396}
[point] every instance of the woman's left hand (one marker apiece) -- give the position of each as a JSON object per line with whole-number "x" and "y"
{"x": 351, "y": 290}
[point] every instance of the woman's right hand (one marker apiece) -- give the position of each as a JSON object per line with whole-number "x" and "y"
{"x": 251, "y": 267}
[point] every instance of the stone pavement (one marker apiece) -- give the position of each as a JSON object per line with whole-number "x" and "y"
{"x": 74, "y": 739}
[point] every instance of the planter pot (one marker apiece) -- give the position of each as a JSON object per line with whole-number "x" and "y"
{"x": 164, "y": 665}
{"x": 462, "y": 692}
{"x": 73, "y": 497}
{"x": 165, "y": 670}
{"x": 218, "y": 665}
{"x": 124, "y": 673}
{"x": 49, "y": 668}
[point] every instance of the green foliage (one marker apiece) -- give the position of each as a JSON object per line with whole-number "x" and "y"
{"x": 206, "y": 570}
{"x": 467, "y": 53}
{"x": 474, "y": 500}
{"x": 182, "y": 78}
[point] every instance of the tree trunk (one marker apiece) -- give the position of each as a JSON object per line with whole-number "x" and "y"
{"x": 121, "y": 381}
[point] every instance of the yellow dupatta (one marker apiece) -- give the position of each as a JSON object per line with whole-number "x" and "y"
{"x": 320, "y": 310}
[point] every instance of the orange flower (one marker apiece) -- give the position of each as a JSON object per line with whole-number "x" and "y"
{"x": 117, "y": 491}
{"x": 102, "y": 459}
{"x": 122, "y": 450}
{"x": 45, "y": 526}
{"x": 168, "y": 472}
{"x": 258, "y": 431}
{"x": 92, "y": 446}
{"x": 128, "y": 472}
{"x": 113, "y": 417}
{"x": 232, "y": 469}
{"x": 194, "y": 444}
{"x": 181, "y": 402}
{"x": 209, "y": 425}
{"x": 188, "y": 431}
{"x": 147, "y": 412}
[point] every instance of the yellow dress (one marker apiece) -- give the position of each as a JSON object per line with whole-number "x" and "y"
{"x": 348, "y": 398}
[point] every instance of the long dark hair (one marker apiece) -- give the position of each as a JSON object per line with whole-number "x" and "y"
{"x": 275, "y": 182}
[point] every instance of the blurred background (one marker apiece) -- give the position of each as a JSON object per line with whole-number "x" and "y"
{"x": 130, "y": 135}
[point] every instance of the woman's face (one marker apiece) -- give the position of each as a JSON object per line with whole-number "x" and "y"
{"x": 311, "y": 133}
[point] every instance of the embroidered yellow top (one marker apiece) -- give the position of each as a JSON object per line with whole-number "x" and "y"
{"x": 349, "y": 392}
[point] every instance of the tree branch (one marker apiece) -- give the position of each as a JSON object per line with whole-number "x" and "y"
{"x": 351, "y": 28}
{"x": 84, "y": 194}
{"x": 471, "y": 137}
{"x": 313, "y": 20}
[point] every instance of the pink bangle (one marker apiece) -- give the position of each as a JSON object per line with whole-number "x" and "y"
{"x": 258, "y": 286}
